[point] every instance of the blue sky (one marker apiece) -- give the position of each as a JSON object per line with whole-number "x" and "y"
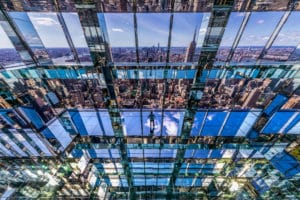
{"x": 153, "y": 28}
{"x": 290, "y": 32}
{"x": 184, "y": 25}
{"x": 49, "y": 29}
{"x": 39, "y": 28}
{"x": 24, "y": 24}
{"x": 232, "y": 28}
{"x": 259, "y": 28}
{"x": 120, "y": 29}
{"x": 5, "y": 42}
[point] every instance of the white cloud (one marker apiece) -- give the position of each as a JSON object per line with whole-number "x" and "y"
{"x": 260, "y": 21}
{"x": 117, "y": 30}
{"x": 44, "y": 21}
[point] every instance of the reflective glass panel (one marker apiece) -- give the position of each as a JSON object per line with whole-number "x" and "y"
{"x": 257, "y": 32}
{"x": 120, "y": 31}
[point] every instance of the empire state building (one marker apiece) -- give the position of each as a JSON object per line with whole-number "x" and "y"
{"x": 191, "y": 49}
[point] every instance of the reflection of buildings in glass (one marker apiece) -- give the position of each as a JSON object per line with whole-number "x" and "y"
{"x": 38, "y": 92}
{"x": 192, "y": 6}
{"x": 153, "y": 5}
{"x": 76, "y": 93}
{"x": 279, "y": 53}
{"x": 117, "y": 5}
{"x": 150, "y": 93}
{"x": 223, "y": 53}
{"x": 294, "y": 101}
{"x": 10, "y": 57}
{"x": 241, "y": 93}
{"x": 191, "y": 49}
{"x": 153, "y": 54}
{"x": 123, "y": 54}
{"x": 246, "y": 54}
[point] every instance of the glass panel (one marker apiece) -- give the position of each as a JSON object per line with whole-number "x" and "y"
{"x": 193, "y": 6}
{"x": 153, "y": 33}
{"x": 40, "y": 143}
{"x": 121, "y": 36}
{"x": 172, "y": 123}
{"x": 104, "y": 153}
{"x": 60, "y": 133}
{"x": 198, "y": 121}
{"x": 248, "y": 123}
{"x": 9, "y": 57}
{"x": 53, "y": 37}
{"x": 6, "y": 139}
{"x": 153, "y": 6}
{"x": 264, "y": 5}
{"x": 76, "y": 32}
{"x": 286, "y": 42}
{"x": 255, "y": 36}
{"x": 117, "y": 5}
{"x": 294, "y": 125}
{"x": 29, "y": 33}
{"x": 233, "y": 123}
{"x": 277, "y": 122}
{"x": 76, "y": 93}
{"x": 91, "y": 123}
{"x": 231, "y": 30}
{"x": 184, "y": 37}
{"x": 5, "y": 151}
{"x": 213, "y": 123}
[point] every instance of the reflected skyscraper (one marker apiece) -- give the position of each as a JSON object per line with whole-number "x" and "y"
{"x": 191, "y": 49}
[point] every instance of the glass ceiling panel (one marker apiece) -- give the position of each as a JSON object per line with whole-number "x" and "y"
{"x": 9, "y": 57}
{"x": 104, "y": 153}
{"x": 139, "y": 180}
{"x": 153, "y": 34}
{"x": 120, "y": 30}
{"x": 286, "y": 42}
{"x": 5, "y": 151}
{"x": 213, "y": 123}
{"x": 76, "y": 32}
{"x": 231, "y": 30}
{"x": 60, "y": 133}
{"x": 264, "y": 5}
{"x": 193, "y": 6}
{"x": 152, "y": 153}
{"x": 278, "y": 122}
{"x": 38, "y": 141}
{"x": 255, "y": 36}
{"x": 25, "y": 143}
{"x": 53, "y": 37}
{"x": 172, "y": 123}
{"x": 29, "y": 33}
{"x": 233, "y": 123}
{"x": 13, "y": 145}
{"x": 185, "y": 32}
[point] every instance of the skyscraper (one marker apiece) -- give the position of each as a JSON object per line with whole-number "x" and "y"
{"x": 190, "y": 51}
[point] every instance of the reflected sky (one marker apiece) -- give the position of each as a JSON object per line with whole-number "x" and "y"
{"x": 153, "y": 29}
{"x": 49, "y": 29}
{"x": 120, "y": 29}
{"x": 184, "y": 26}
{"x": 290, "y": 32}
{"x": 5, "y": 41}
{"x": 24, "y": 24}
{"x": 259, "y": 28}
{"x": 75, "y": 30}
{"x": 232, "y": 28}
